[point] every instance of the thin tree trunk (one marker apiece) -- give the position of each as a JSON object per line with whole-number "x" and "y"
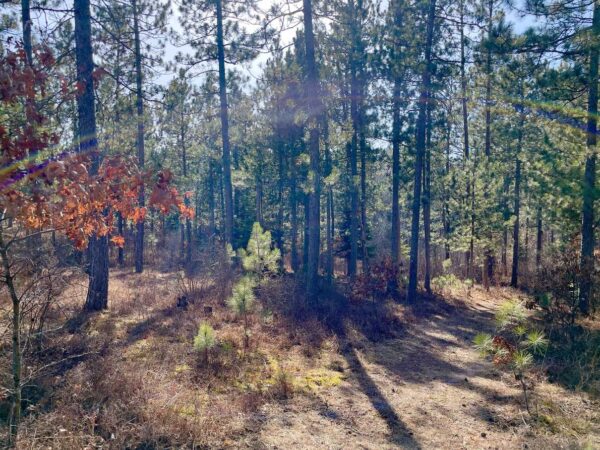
{"x": 329, "y": 204}
{"x": 139, "y": 237}
{"x": 446, "y": 206}
{"x": 294, "y": 213}
{"x": 488, "y": 262}
{"x": 15, "y": 416}
{"x": 97, "y": 296}
{"x": 427, "y": 204}
{"x": 514, "y": 279}
{"x": 227, "y": 186}
{"x": 420, "y": 151}
{"x": 280, "y": 196}
{"x": 396, "y": 127}
{"x": 120, "y": 250}
{"x": 353, "y": 161}
{"x": 538, "y": 242}
{"x": 465, "y": 123}
{"x": 589, "y": 178}
{"x": 212, "y": 223}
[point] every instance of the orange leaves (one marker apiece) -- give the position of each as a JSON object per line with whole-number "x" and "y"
{"x": 59, "y": 192}
{"x": 119, "y": 241}
{"x": 139, "y": 214}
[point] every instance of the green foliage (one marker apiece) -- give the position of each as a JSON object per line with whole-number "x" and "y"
{"x": 510, "y": 315}
{"x": 484, "y": 344}
{"x": 443, "y": 282}
{"x": 205, "y": 339}
{"x": 514, "y": 344}
{"x": 260, "y": 257}
{"x": 242, "y": 297}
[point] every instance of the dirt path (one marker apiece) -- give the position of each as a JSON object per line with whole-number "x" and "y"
{"x": 428, "y": 389}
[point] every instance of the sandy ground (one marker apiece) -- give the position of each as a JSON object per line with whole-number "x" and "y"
{"x": 429, "y": 389}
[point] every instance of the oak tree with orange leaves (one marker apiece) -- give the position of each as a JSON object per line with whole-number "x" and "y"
{"x": 43, "y": 189}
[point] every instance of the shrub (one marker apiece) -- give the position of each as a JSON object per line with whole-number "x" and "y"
{"x": 443, "y": 282}
{"x": 205, "y": 340}
{"x": 380, "y": 281}
{"x": 514, "y": 344}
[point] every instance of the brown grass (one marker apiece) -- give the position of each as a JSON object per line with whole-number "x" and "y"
{"x": 360, "y": 375}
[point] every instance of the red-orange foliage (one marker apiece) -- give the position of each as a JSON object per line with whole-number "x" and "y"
{"x": 44, "y": 191}
{"x": 377, "y": 283}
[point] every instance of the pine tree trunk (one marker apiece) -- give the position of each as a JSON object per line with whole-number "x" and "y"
{"x": 26, "y": 24}
{"x": 488, "y": 263}
{"x": 353, "y": 160}
{"x": 329, "y": 205}
{"x": 295, "y": 263}
{"x": 396, "y": 127}
{"x": 139, "y": 237}
{"x": 427, "y": 204}
{"x": 589, "y": 178}
{"x": 465, "y": 124}
{"x": 97, "y": 296}
{"x": 212, "y": 222}
{"x": 280, "y": 200}
{"x": 514, "y": 279}
{"x": 420, "y": 152}
{"x": 313, "y": 111}
{"x": 227, "y": 186}
{"x": 538, "y": 242}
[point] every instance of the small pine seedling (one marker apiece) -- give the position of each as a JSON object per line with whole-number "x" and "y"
{"x": 205, "y": 340}
{"x": 242, "y": 301}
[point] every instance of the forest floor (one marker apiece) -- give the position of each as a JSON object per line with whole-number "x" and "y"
{"x": 411, "y": 379}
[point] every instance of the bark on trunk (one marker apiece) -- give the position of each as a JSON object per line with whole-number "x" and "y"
{"x": 139, "y": 236}
{"x": 314, "y": 110}
{"x": 227, "y": 186}
{"x": 420, "y": 151}
{"x": 97, "y": 296}
{"x": 589, "y": 178}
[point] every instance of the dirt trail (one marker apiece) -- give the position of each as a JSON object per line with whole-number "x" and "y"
{"x": 427, "y": 389}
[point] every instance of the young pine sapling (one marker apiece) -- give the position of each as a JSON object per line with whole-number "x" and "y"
{"x": 514, "y": 344}
{"x": 205, "y": 340}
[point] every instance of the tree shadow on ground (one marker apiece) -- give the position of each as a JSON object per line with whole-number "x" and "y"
{"x": 399, "y": 433}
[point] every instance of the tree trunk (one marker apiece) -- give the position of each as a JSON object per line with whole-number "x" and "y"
{"x": 139, "y": 237}
{"x": 227, "y": 186}
{"x": 488, "y": 263}
{"x": 97, "y": 296}
{"x": 280, "y": 202}
{"x": 15, "y": 410}
{"x": 329, "y": 204}
{"x": 26, "y": 24}
{"x": 396, "y": 127}
{"x": 420, "y": 151}
{"x": 295, "y": 263}
{"x": 312, "y": 93}
{"x": 427, "y": 204}
{"x": 120, "y": 250}
{"x": 514, "y": 279}
{"x": 465, "y": 124}
{"x": 589, "y": 178}
{"x": 538, "y": 242}
{"x": 353, "y": 166}
{"x": 212, "y": 222}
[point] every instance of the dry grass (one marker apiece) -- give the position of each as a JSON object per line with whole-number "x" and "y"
{"x": 376, "y": 376}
